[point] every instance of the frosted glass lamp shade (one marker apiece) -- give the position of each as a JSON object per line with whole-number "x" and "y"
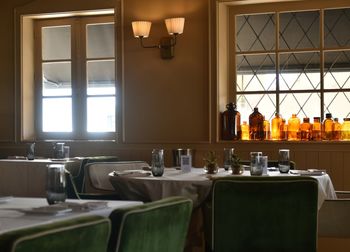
{"x": 141, "y": 28}
{"x": 175, "y": 25}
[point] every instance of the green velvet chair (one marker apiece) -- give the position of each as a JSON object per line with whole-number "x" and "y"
{"x": 83, "y": 234}
{"x": 75, "y": 184}
{"x": 80, "y": 177}
{"x": 159, "y": 226}
{"x": 258, "y": 214}
{"x": 72, "y": 191}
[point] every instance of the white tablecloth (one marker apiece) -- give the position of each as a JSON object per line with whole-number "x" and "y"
{"x": 12, "y": 219}
{"x": 195, "y": 185}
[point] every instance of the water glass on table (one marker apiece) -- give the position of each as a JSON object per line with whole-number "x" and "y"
{"x": 157, "y": 162}
{"x": 228, "y": 152}
{"x": 283, "y": 161}
{"x": 256, "y": 168}
{"x": 56, "y": 184}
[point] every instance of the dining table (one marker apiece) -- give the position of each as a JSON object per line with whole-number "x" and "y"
{"x": 196, "y": 184}
{"x": 24, "y": 212}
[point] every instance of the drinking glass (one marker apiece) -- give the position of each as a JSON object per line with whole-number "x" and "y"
{"x": 263, "y": 162}
{"x": 283, "y": 161}
{"x": 56, "y": 184}
{"x": 157, "y": 162}
{"x": 177, "y": 156}
{"x": 255, "y": 164}
{"x": 228, "y": 152}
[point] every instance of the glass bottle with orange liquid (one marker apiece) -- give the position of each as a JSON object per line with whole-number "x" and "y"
{"x": 267, "y": 131}
{"x": 230, "y": 123}
{"x": 245, "y": 131}
{"x": 327, "y": 127}
{"x": 316, "y": 129}
{"x": 336, "y": 129}
{"x": 306, "y": 130}
{"x": 294, "y": 128}
{"x": 345, "y": 130}
{"x": 256, "y": 125}
{"x": 283, "y": 130}
{"x": 275, "y": 127}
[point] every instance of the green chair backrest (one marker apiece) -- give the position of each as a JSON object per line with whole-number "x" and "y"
{"x": 275, "y": 214}
{"x": 79, "y": 179}
{"x": 159, "y": 226}
{"x": 83, "y": 234}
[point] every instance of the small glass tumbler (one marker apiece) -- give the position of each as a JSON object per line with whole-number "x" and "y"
{"x": 66, "y": 151}
{"x": 283, "y": 161}
{"x": 56, "y": 184}
{"x": 228, "y": 152}
{"x": 157, "y": 162}
{"x": 263, "y": 162}
{"x": 256, "y": 168}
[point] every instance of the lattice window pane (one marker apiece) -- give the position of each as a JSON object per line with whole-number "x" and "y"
{"x": 256, "y": 72}
{"x": 254, "y": 32}
{"x": 265, "y": 102}
{"x": 336, "y": 27}
{"x": 337, "y": 70}
{"x": 299, "y": 30}
{"x": 302, "y": 104}
{"x": 337, "y": 103}
{"x": 300, "y": 71}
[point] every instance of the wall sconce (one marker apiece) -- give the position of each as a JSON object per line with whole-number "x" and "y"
{"x": 175, "y": 26}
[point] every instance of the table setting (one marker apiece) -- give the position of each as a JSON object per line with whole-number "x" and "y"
{"x": 196, "y": 183}
{"x": 18, "y": 212}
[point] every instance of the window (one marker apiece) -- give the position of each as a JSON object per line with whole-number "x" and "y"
{"x": 292, "y": 62}
{"x": 75, "y": 78}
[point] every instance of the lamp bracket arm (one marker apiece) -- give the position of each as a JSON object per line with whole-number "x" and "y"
{"x": 144, "y": 46}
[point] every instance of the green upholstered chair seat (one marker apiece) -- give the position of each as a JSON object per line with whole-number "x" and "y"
{"x": 153, "y": 227}
{"x": 275, "y": 214}
{"x": 83, "y": 234}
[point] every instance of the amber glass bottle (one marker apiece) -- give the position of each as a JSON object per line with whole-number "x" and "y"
{"x": 294, "y": 128}
{"x": 345, "y": 130}
{"x": 256, "y": 125}
{"x": 275, "y": 127}
{"x": 327, "y": 127}
{"x": 316, "y": 129}
{"x": 245, "y": 131}
{"x": 336, "y": 129}
{"x": 283, "y": 130}
{"x": 231, "y": 123}
{"x": 267, "y": 131}
{"x": 306, "y": 130}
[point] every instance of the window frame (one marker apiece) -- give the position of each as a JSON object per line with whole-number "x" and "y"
{"x": 78, "y": 78}
{"x": 276, "y": 9}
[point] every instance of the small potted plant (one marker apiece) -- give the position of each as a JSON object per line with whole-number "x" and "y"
{"x": 236, "y": 165}
{"x": 211, "y": 164}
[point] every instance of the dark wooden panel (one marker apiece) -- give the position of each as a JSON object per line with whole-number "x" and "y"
{"x": 336, "y": 167}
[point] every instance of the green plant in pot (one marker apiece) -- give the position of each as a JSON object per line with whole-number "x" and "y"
{"x": 211, "y": 163}
{"x": 236, "y": 165}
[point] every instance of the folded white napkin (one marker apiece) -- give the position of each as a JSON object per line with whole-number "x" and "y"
{"x": 309, "y": 172}
{"x": 86, "y": 206}
{"x": 132, "y": 173}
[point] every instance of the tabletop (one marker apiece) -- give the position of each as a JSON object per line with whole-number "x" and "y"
{"x": 16, "y": 212}
{"x": 195, "y": 185}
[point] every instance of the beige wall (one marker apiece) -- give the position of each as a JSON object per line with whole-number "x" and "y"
{"x": 166, "y": 103}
